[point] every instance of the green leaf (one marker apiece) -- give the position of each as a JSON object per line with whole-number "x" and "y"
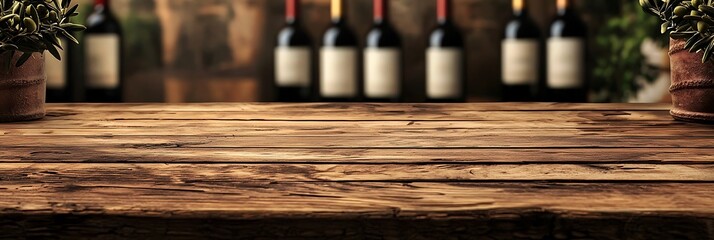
{"x": 682, "y": 35}
{"x": 8, "y": 47}
{"x": 30, "y": 25}
{"x": 6, "y": 18}
{"x": 664, "y": 27}
{"x": 71, "y": 11}
{"x": 68, "y": 35}
{"x": 7, "y": 4}
{"x": 73, "y": 27}
{"x": 700, "y": 44}
{"x": 696, "y": 37}
{"x": 23, "y": 59}
{"x": 709, "y": 10}
{"x": 51, "y": 39}
{"x": 693, "y": 18}
{"x": 51, "y": 48}
{"x": 32, "y": 11}
{"x": 708, "y": 52}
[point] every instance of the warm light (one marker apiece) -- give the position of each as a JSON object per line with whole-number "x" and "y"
{"x": 336, "y": 9}
{"x": 562, "y": 4}
{"x": 518, "y": 5}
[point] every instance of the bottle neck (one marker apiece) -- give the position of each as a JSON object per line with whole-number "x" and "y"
{"x": 381, "y": 11}
{"x": 292, "y": 11}
{"x": 337, "y": 11}
{"x": 520, "y": 8}
{"x": 102, "y": 5}
{"x": 564, "y": 7}
{"x": 443, "y": 11}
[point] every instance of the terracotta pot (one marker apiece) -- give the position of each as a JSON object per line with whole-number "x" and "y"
{"x": 692, "y": 85}
{"x": 22, "y": 90}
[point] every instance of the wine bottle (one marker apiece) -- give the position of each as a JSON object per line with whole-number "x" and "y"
{"x": 59, "y": 88}
{"x": 567, "y": 54}
{"x": 382, "y": 58}
{"x": 445, "y": 72}
{"x": 521, "y": 56}
{"x": 103, "y": 55}
{"x": 293, "y": 58}
{"x": 339, "y": 59}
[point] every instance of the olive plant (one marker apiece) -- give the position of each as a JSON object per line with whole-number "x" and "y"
{"x": 691, "y": 20}
{"x": 35, "y": 26}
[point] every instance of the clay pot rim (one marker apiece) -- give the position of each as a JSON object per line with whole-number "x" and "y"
{"x": 19, "y": 83}
{"x": 676, "y": 46}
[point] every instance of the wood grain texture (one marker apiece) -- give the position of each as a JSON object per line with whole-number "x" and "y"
{"x": 362, "y": 171}
{"x": 187, "y": 154}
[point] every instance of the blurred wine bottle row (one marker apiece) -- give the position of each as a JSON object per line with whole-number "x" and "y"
{"x": 382, "y": 65}
{"x": 97, "y": 62}
{"x": 348, "y": 50}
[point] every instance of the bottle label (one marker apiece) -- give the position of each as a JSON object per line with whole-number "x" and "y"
{"x": 292, "y": 66}
{"x": 57, "y": 70}
{"x": 103, "y": 60}
{"x": 444, "y": 73}
{"x": 338, "y": 72}
{"x": 382, "y": 72}
{"x": 566, "y": 63}
{"x": 520, "y": 61}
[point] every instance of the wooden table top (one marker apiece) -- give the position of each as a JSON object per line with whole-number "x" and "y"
{"x": 421, "y": 171}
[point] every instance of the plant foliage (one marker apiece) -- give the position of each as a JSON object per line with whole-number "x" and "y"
{"x": 622, "y": 62}
{"x": 31, "y": 26}
{"x": 691, "y": 20}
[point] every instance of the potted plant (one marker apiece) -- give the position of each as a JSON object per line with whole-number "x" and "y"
{"x": 28, "y": 28}
{"x": 690, "y": 25}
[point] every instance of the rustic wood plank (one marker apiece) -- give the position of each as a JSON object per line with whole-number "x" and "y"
{"x": 360, "y": 142}
{"x": 269, "y": 108}
{"x": 382, "y": 167}
{"x": 347, "y": 128}
{"x": 467, "y": 115}
{"x": 187, "y": 154}
{"x": 144, "y": 125}
{"x": 170, "y": 197}
{"x": 346, "y": 172}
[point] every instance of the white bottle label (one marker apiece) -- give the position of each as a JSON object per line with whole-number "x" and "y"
{"x": 103, "y": 60}
{"x": 292, "y": 66}
{"x": 444, "y": 73}
{"x": 382, "y": 68}
{"x": 57, "y": 70}
{"x": 566, "y": 63}
{"x": 520, "y": 61}
{"x": 338, "y": 72}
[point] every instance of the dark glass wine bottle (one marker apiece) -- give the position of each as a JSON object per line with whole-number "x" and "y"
{"x": 293, "y": 58}
{"x": 445, "y": 59}
{"x": 59, "y": 86}
{"x": 567, "y": 79}
{"x": 521, "y": 56}
{"x": 339, "y": 59}
{"x": 382, "y": 58}
{"x": 103, "y": 55}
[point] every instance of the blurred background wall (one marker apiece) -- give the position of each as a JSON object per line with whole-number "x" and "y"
{"x": 221, "y": 50}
